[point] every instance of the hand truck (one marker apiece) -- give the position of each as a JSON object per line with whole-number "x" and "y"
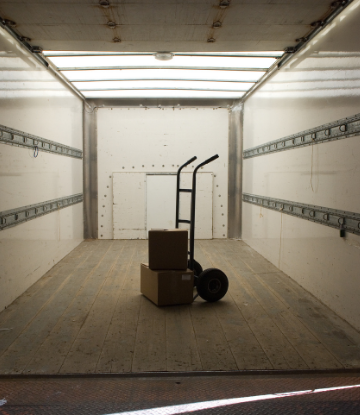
{"x": 212, "y": 284}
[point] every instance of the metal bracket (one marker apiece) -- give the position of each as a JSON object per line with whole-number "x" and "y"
{"x": 339, "y": 219}
{"x": 21, "y": 139}
{"x": 17, "y": 216}
{"x": 343, "y": 128}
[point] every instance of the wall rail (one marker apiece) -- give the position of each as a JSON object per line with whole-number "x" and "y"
{"x": 23, "y": 214}
{"x": 343, "y": 128}
{"x": 22, "y": 139}
{"x": 339, "y": 219}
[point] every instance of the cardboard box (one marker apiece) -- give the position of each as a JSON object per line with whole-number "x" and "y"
{"x": 167, "y": 287}
{"x": 168, "y": 249}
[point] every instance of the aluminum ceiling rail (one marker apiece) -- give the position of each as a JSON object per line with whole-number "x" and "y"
{"x": 339, "y": 219}
{"x": 23, "y": 214}
{"x": 21, "y": 139}
{"x": 346, "y": 127}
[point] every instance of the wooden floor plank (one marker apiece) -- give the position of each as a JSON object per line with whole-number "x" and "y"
{"x": 21, "y": 312}
{"x": 118, "y": 348}
{"x": 181, "y": 347}
{"x": 315, "y": 317}
{"x": 86, "y": 349}
{"x": 213, "y": 348}
{"x": 278, "y": 349}
{"x": 150, "y": 343}
{"x": 64, "y": 333}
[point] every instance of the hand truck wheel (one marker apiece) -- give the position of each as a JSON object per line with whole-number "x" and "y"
{"x": 212, "y": 285}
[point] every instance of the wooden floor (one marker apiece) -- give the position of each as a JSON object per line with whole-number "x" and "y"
{"x": 86, "y": 315}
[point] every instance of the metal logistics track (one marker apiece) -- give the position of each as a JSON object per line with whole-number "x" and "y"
{"x": 21, "y": 139}
{"x": 346, "y": 127}
{"x": 17, "y": 216}
{"x": 339, "y": 219}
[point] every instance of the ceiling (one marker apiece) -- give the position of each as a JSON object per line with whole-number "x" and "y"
{"x": 164, "y": 25}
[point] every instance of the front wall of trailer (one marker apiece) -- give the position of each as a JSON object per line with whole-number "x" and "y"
{"x": 34, "y": 101}
{"x": 319, "y": 85}
{"x": 157, "y": 141}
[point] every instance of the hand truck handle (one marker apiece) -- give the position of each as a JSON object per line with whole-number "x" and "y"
{"x": 185, "y": 164}
{"x": 216, "y": 156}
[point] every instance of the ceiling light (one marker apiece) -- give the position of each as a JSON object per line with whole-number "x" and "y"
{"x": 147, "y": 61}
{"x": 163, "y": 74}
{"x": 164, "y": 56}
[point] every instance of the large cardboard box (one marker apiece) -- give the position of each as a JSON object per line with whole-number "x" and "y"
{"x": 168, "y": 249}
{"x": 167, "y": 287}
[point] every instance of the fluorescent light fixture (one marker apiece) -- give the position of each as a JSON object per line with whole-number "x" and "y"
{"x": 170, "y": 74}
{"x": 162, "y": 94}
{"x": 160, "y": 84}
{"x": 141, "y": 75}
{"x": 273, "y": 54}
{"x": 143, "y": 61}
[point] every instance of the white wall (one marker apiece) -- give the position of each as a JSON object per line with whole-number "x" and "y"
{"x": 159, "y": 140}
{"x": 34, "y": 101}
{"x": 319, "y": 85}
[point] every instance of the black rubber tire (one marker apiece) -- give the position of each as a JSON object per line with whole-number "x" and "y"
{"x": 212, "y": 285}
{"x": 197, "y": 271}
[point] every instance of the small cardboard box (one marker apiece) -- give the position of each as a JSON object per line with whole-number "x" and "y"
{"x": 167, "y": 287}
{"x": 168, "y": 249}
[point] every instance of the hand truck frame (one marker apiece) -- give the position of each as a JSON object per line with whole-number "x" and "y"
{"x": 212, "y": 283}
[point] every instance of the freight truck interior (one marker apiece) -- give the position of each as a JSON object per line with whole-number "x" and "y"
{"x": 101, "y": 102}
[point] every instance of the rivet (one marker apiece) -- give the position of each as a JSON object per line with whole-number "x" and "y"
{"x": 224, "y": 3}
{"x": 9, "y": 23}
{"x": 104, "y": 3}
